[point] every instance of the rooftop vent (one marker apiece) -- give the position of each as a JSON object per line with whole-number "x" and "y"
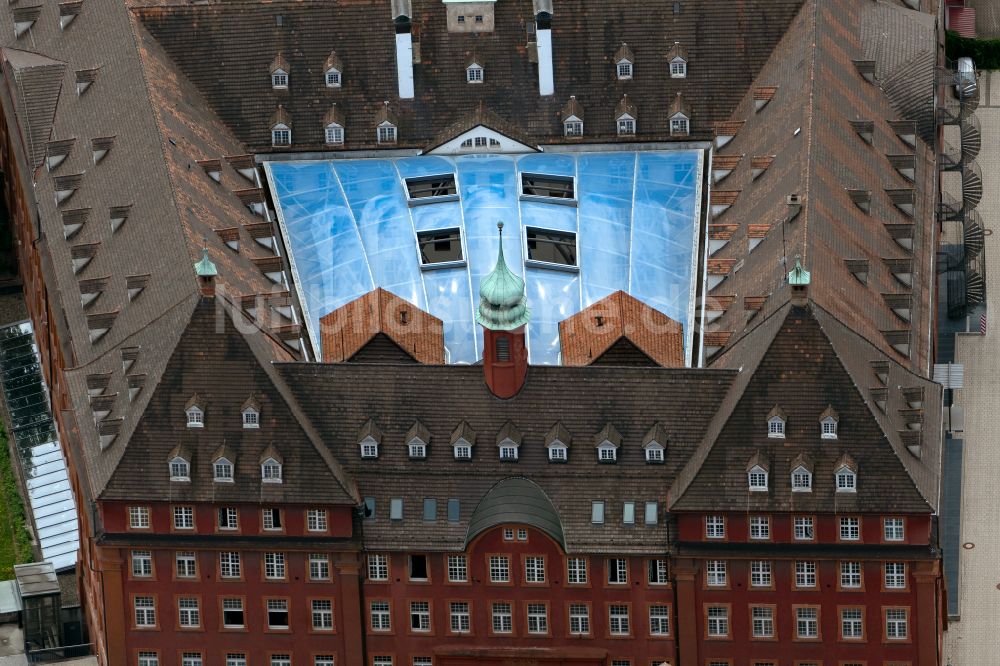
{"x": 763, "y": 95}
{"x": 866, "y": 68}
{"x": 84, "y": 79}
{"x": 83, "y": 254}
{"x": 900, "y": 304}
{"x": 858, "y": 268}
{"x": 91, "y": 289}
{"x": 244, "y": 166}
{"x": 98, "y": 383}
{"x": 723, "y": 165}
{"x": 903, "y": 199}
{"x": 56, "y": 152}
{"x": 100, "y": 324}
{"x": 118, "y": 215}
{"x": 129, "y": 356}
{"x": 906, "y": 130}
{"x": 24, "y": 18}
{"x": 759, "y": 164}
{"x": 69, "y": 11}
{"x": 135, "y": 284}
{"x": 212, "y": 169}
{"x": 73, "y": 221}
{"x": 66, "y": 186}
{"x": 108, "y": 431}
{"x": 865, "y": 129}
{"x": 100, "y": 147}
{"x": 231, "y": 237}
{"x": 862, "y": 199}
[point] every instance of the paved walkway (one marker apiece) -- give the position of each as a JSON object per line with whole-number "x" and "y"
{"x": 975, "y": 639}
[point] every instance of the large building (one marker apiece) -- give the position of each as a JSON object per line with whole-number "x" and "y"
{"x": 319, "y": 409}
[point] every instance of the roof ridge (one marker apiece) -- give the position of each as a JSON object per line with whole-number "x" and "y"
{"x": 810, "y": 116}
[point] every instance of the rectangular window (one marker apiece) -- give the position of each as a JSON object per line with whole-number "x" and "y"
{"x": 183, "y": 518}
{"x": 191, "y": 659}
{"x": 760, "y": 527}
{"x": 762, "y": 621}
{"x": 657, "y": 572}
{"x": 281, "y": 660}
{"x": 149, "y": 659}
{"x": 551, "y": 247}
{"x": 322, "y": 615}
{"x": 440, "y": 246}
{"x": 538, "y": 619}
{"x": 418, "y": 567}
{"x": 553, "y": 187}
{"x": 895, "y": 575}
{"x": 232, "y": 613}
{"x": 459, "y": 617}
{"x": 850, "y": 529}
{"x": 236, "y": 659}
{"x": 272, "y": 519}
{"x": 185, "y": 564}
{"x": 430, "y": 509}
{"x": 281, "y": 137}
{"x": 715, "y": 527}
{"x": 378, "y": 567}
{"x": 316, "y": 520}
{"x": 892, "y": 529}
{"x": 617, "y": 571}
{"x": 454, "y": 512}
{"x": 503, "y": 621}
{"x": 188, "y": 613}
{"x": 576, "y": 571}
{"x": 274, "y": 566}
{"x": 718, "y": 621}
{"x": 760, "y": 573}
{"x": 420, "y": 615}
{"x": 277, "y": 614}
{"x": 396, "y": 508}
{"x": 380, "y": 616}
{"x": 381, "y": 661}
{"x": 659, "y": 620}
{"x": 896, "y": 621}
{"x": 458, "y": 569}
{"x": 803, "y": 528}
{"x": 579, "y": 619}
{"x": 319, "y": 566}
{"x": 597, "y": 513}
{"x": 628, "y": 513}
{"x": 715, "y": 573}
{"x": 427, "y": 187}
{"x": 574, "y": 128}
{"x": 851, "y": 623}
{"x": 618, "y": 620}
{"x": 138, "y": 517}
{"x": 323, "y": 660}
{"x": 142, "y": 563}
{"x": 534, "y": 569}
{"x": 499, "y": 569}
{"x": 807, "y": 623}
{"x": 387, "y": 134}
{"x": 652, "y": 513}
{"x": 805, "y": 574}
{"x": 850, "y": 575}
{"x": 229, "y": 565}
{"x": 228, "y": 518}
{"x": 334, "y": 135}
{"x": 626, "y": 126}
{"x": 145, "y": 612}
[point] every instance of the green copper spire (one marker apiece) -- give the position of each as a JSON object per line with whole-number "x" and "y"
{"x": 205, "y": 268}
{"x": 503, "y": 305}
{"x": 798, "y": 276}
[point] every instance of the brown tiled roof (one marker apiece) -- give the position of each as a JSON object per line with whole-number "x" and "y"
{"x": 625, "y": 106}
{"x": 572, "y": 108}
{"x": 590, "y": 333}
{"x": 39, "y": 81}
{"x": 196, "y": 35}
{"x": 559, "y": 433}
{"x": 334, "y": 115}
{"x": 624, "y": 53}
{"x": 679, "y": 105}
{"x": 281, "y": 117}
{"x": 333, "y": 61}
{"x": 279, "y": 62}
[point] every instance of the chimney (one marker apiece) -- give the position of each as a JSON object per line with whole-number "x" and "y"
{"x": 503, "y": 313}
{"x": 206, "y": 272}
{"x": 543, "y": 38}
{"x": 401, "y": 14}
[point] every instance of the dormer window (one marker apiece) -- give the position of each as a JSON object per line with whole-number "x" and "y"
{"x": 223, "y": 471}
{"x": 386, "y": 133}
{"x": 654, "y": 453}
{"x": 757, "y": 479}
{"x": 776, "y": 423}
{"x": 847, "y": 480}
{"x": 333, "y": 79}
{"x": 270, "y": 471}
{"x": 828, "y": 428}
{"x": 180, "y": 469}
{"x": 195, "y": 417}
{"x": 623, "y": 62}
{"x": 573, "y": 126}
{"x": 417, "y": 439}
{"x": 281, "y": 135}
{"x": 558, "y": 452}
{"x": 334, "y": 134}
{"x": 680, "y": 125}
{"x": 801, "y": 480}
{"x": 654, "y": 444}
{"x": 462, "y": 450}
{"x": 251, "y": 418}
{"x": 279, "y": 79}
{"x": 474, "y": 73}
{"x": 509, "y": 442}
{"x": 606, "y": 453}
{"x": 417, "y": 449}
{"x": 369, "y": 448}
{"x": 678, "y": 68}
{"x": 508, "y": 451}
{"x": 624, "y": 69}
{"x": 626, "y": 125}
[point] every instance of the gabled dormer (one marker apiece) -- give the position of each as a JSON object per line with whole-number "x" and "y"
{"x": 179, "y": 464}
{"x": 572, "y": 118}
{"x": 625, "y": 117}
{"x": 802, "y": 474}
{"x": 271, "y": 466}
{"x": 369, "y": 439}
{"x": 776, "y": 420}
{"x": 758, "y": 471}
{"x": 281, "y": 127}
{"x": 418, "y": 438}
{"x": 333, "y": 71}
{"x": 654, "y": 444}
{"x": 224, "y": 465}
{"x": 680, "y": 117}
{"x": 386, "y": 126}
{"x": 607, "y": 442}
{"x": 474, "y": 72}
{"x": 678, "y": 61}
{"x": 624, "y": 63}
{"x": 279, "y": 73}
{"x": 509, "y": 442}
{"x": 557, "y": 443}
{"x": 463, "y": 438}
{"x": 333, "y": 126}
{"x": 828, "y": 421}
{"x": 250, "y": 412}
{"x": 195, "y": 412}
{"x": 847, "y": 474}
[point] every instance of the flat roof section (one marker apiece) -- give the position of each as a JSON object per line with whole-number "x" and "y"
{"x": 577, "y": 227}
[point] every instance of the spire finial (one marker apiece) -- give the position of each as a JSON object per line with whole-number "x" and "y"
{"x": 502, "y": 301}
{"x": 798, "y": 276}
{"x": 205, "y": 268}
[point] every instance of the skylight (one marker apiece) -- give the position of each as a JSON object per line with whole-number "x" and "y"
{"x": 551, "y": 247}
{"x": 549, "y": 187}
{"x": 431, "y": 187}
{"x": 440, "y": 246}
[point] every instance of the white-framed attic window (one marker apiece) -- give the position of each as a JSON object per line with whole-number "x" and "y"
{"x": 369, "y": 448}
{"x": 680, "y": 125}
{"x": 270, "y": 471}
{"x": 281, "y": 135}
{"x": 279, "y": 79}
{"x": 802, "y": 480}
{"x": 607, "y": 452}
{"x": 654, "y": 452}
{"x": 334, "y": 134}
{"x": 251, "y": 418}
{"x": 180, "y": 469}
{"x": 385, "y": 133}
{"x": 757, "y": 479}
{"x": 222, "y": 471}
{"x": 333, "y": 78}
{"x": 195, "y": 417}
{"x": 847, "y": 480}
{"x": 828, "y": 428}
{"x": 573, "y": 126}
{"x": 417, "y": 448}
{"x": 474, "y": 73}
{"x": 624, "y": 69}
{"x": 626, "y": 125}
{"x": 558, "y": 452}
{"x": 678, "y": 68}
{"x": 462, "y": 449}
{"x": 776, "y": 427}
{"x": 508, "y": 449}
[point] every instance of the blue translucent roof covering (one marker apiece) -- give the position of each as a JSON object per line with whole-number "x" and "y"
{"x": 349, "y": 229}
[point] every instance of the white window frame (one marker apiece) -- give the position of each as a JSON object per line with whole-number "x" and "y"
{"x": 278, "y": 606}
{"x": 573, "y": 127}
{"x": 222, "y": 471}
{"x": 138, "y": 517}
{"x": 275, "y": 566}
{"x": 558, "y": 453}
{"x": 801, "y": 480}
{"x": 757, "y": 479}
{"x": 805, "y": 574}
{"x": 251, "y": 418}
{"x": 894, "y": 529}
{"x": 142, "y": 563}
{"x": 279, "y": 79}
{"x": 144, "y": 611}
{"x": 624, "y": 69}
{"x": 188, "y": 612}
{"x": 386, "y": 133}
{"x": 715, "y": 527}
{"x": 228, "y": 518}
{"x": 607, "y": 453}
{"x": 281, "y": 135}
{"x": 657, "y": 571}
{"x": 230, "y": 565}
{"x": 378, "y": 567}
{"x": 380, "y": 616}
{"x": 850, "y": 575}
{"x": 317, "y": 520}
{"x": 319, "y": 566}
{"x": 717, "y": 621}
{"x": 333, "y": 134}
{"x": 803, "y": 526}
{"x": 852, "y": 624}
{"x": 625, "y": 125}
{"x": 847, "y": 480}
{"x": 617, "y": 570}
{"x": 369, "y": 448}
{"x": 897, "y": 621}
{"x": 828, "y": 428}
{"x": 894, "y": 575}
{"x": 576, "y": 570}
{"x": 850, "y": 528}
{"x": 502, "y": 617}
{"x": 185, "y": 564}
{"x": 762, "y": 621}
{"x": 508, "y": 450}
{"x": 619, "y": 620}
{"x": 271, "y": 471}
{"x": 267, "y": 518}
{"x": 776, "y": 427}
{"x": 579, "y": 619}
{"x": 659, "y": 620}
{"x": 420, "y": 616}
{"x": 716, "y": 573}
{"x": 760, "y": 528}
{"x": 807, "y": 622}
{"x": 333, "y": 78}
{"x": 458, "y": 569}
{"x": 183, "y": 518}
{"x": 654, "y": 452}
{"x": 534, "y": 569}
{"x": 678, "y": 68}
{"x": 149, "y": 658}
{"x": 195, "y": 417}
{"x": 680, "y": 125}
{"x": 462, "y": 450}
{"x": 499, "y": 568}
{"x": 761, "y": 573}
{"x": 460, "y": 617}
{"x": 474, "y": 73}
{"x": 538, "y": 618}
{"x": 180, "y": 469}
